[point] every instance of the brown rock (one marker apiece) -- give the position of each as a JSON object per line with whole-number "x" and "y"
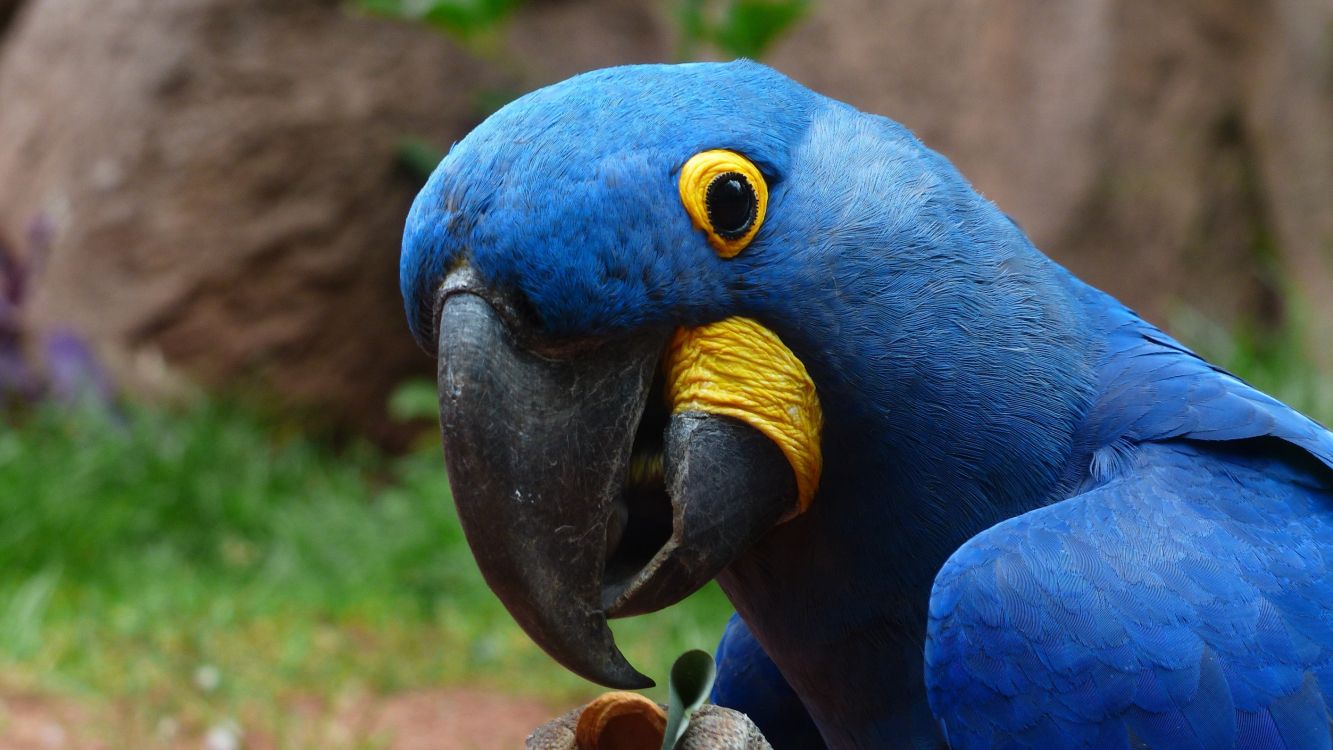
{"x": 216, "y": 182}
{"x": 1164, "y": 152}
{"x": 8, "y": 9}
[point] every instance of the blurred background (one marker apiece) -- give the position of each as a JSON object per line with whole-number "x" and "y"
{"x": 223, "y": 518}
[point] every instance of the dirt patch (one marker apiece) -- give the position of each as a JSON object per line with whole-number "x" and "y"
{"x": 458, "y": 719}
{"x": 34, "y": 723}
{"x": 436, "y": 719}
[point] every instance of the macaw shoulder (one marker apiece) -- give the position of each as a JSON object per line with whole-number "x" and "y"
{"x": 1152, "y": 388}
{"x": 1181, "y": 598}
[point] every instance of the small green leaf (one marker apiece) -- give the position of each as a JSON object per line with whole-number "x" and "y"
{"x": 691, "y": 680}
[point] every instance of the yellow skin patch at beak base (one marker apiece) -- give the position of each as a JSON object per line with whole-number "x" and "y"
{"x": 740, "y": 369}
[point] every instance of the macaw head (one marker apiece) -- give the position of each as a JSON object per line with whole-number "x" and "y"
{"x": 559, "y": 250}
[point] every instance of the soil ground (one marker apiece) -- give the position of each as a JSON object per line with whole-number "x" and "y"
{"x": 437, "y": 719}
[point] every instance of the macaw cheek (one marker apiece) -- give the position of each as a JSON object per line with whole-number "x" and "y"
{"x": 536, "y": 450}
{"x": 728, "y": 484}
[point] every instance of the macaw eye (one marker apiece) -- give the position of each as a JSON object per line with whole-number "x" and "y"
{"x": 725, "y": 195}
{"x": 731, "y": 204}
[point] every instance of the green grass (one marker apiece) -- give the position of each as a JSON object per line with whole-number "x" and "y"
{"x": 193, "y": 565}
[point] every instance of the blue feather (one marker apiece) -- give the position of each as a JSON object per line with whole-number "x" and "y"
{"x": 748, "y": 681}
{"x": 1211, "y": 655}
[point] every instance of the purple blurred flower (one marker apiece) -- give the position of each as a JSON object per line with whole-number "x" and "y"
{"x": 72, "y": 371}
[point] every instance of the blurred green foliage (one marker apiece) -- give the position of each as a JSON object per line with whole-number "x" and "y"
{"x": 415, "y": 400}
{"x": 462, "y": 19}
{"x": 418, "y": 158}
{"x": 138, "y": 550}
{"x": 737, "y": 28}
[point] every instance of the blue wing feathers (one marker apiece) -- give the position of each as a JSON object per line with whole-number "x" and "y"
{"x": 1153, "y": 388}
{"x": 1302, "y": 717}
{"x": 1183, "y": 600}
{"x": 1185, "y": 604}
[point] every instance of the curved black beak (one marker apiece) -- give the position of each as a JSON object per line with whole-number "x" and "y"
{"x": 728, "y": 485}
{"x": 580, "y": 497}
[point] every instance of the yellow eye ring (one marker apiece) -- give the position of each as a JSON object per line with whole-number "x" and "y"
{"x": 726, "y": 196}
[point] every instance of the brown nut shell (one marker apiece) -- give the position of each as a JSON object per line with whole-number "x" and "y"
{"x": 620, "y": 721}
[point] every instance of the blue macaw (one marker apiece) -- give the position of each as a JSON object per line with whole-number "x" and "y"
{"x": 1041, "y": 521}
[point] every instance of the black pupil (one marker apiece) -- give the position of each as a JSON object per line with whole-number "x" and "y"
{"x": 731, "y": 205}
